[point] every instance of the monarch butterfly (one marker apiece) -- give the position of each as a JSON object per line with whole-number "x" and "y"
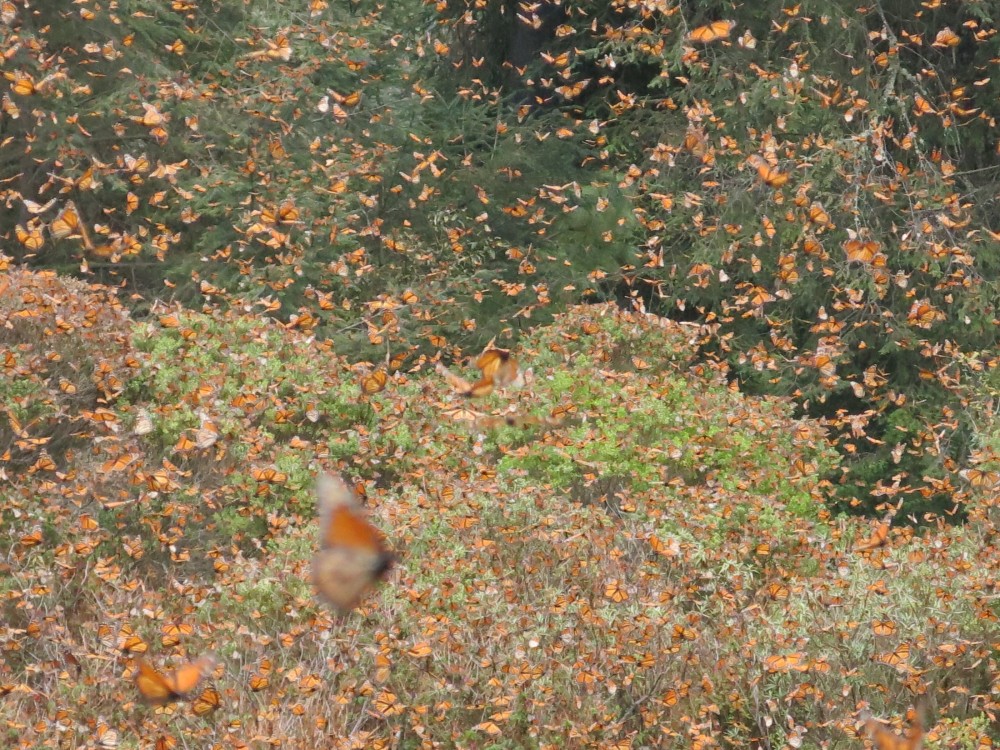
{"x": 498, "y": 367}
{"x": 979, "y": 478}
{"x": 269, "y": 475}
{"x": 68, "y": 223}
{"x": 464, "y": 415}
{"x": 818, "y": 214}
{"x": 279, "y": 49}
{"x": 286, "y": 213}
{"x": 923, "y": 314}
{"x": 777, "y": 591}
{"x": 880, "y": 535}
{"x": 791, "y": 662}
{"x": 684, "y": 633}
{"x": 896, "y": 658}
{"x": 826, "y": 366}
{"x": 922, "y": 107}
{"x": 614, "y": 591}
{"x": 374, "y": 382}
{"x": 207, "y": 435}
{"x": 911, "y": 739}
{"x": 674, "y": 694}
{"x": 712, "y": 32}
{"x": 946, "y": 38}
{"x": 23, "y": 85}
{"x": 352, "y": 553}
{"x": 572, "y": 91}
{"x": 184, "y": 444}
{"x": 159, "y": 688}
{"x": 31, "y": 237}
{"x": 883, "y": 627}
{"x": 208, "y": 701}
{"x": 860, "y": 252}
{"x": 151, "y": 116}
{"x": 877, "y": 539}
{"x": 106, "y": 737}
{"x": 388, "y": 704}
{"x": 771, "y": 176}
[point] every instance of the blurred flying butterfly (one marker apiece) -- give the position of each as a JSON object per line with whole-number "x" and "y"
{"x": 159, "y": 688}
{"x": 352, "y": 553}
{"x": 771, "y": 176}
{"x": 912, "y": 738}
{"x": 498, "y": 367}
{"x": 880, "y": 534}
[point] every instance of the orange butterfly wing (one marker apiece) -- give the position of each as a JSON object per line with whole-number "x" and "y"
{"x": 483, "y": 387}
{"x": 348, "y": 528}
{"x": 374, "y": 382}
{"x": 498, "y": 368}
{"x": 490, "y": 360}
{"x": 185, "y": 678}
{"x": 882, "y": 738}
{"x": 158, "y": 689}
{"x": 65, "y": 223}
{"x": 153, "y": 687}
{"x": 506, "y": 373}
{"x": 885, "y": 739}
{"x": 877, "y": 538}
{"x": 712, "y": 32}
{"x": 68, "y": 223}
{"x": 912, "y": 738}
{"x": 489, "y": 364}
{"x": 458, "y": 383}
{"x": 208, "y": 701}
{"x": 771, "y": 176}
{"x": 352, "y": 554}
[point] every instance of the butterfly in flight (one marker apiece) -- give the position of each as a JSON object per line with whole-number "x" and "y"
{"x": 160, "y": 688}
{"x": 912, "y": 738}
{"x": 352, "y": 553}
{"x": 880, "y": 534}
{"x": 498, "y": 368}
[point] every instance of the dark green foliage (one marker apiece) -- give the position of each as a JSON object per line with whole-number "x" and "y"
{"x": 414, "y": 178}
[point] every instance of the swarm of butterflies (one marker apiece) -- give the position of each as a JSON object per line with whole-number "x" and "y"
{"x": 353, "y": 556}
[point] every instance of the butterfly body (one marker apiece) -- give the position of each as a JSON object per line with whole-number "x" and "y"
{"x": 160, "y": 688}
{"x": 352, "y": 553}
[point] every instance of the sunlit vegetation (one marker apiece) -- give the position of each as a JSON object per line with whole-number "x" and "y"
{"x": 658, "y": 338}
{"x": 657, "y": 565}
